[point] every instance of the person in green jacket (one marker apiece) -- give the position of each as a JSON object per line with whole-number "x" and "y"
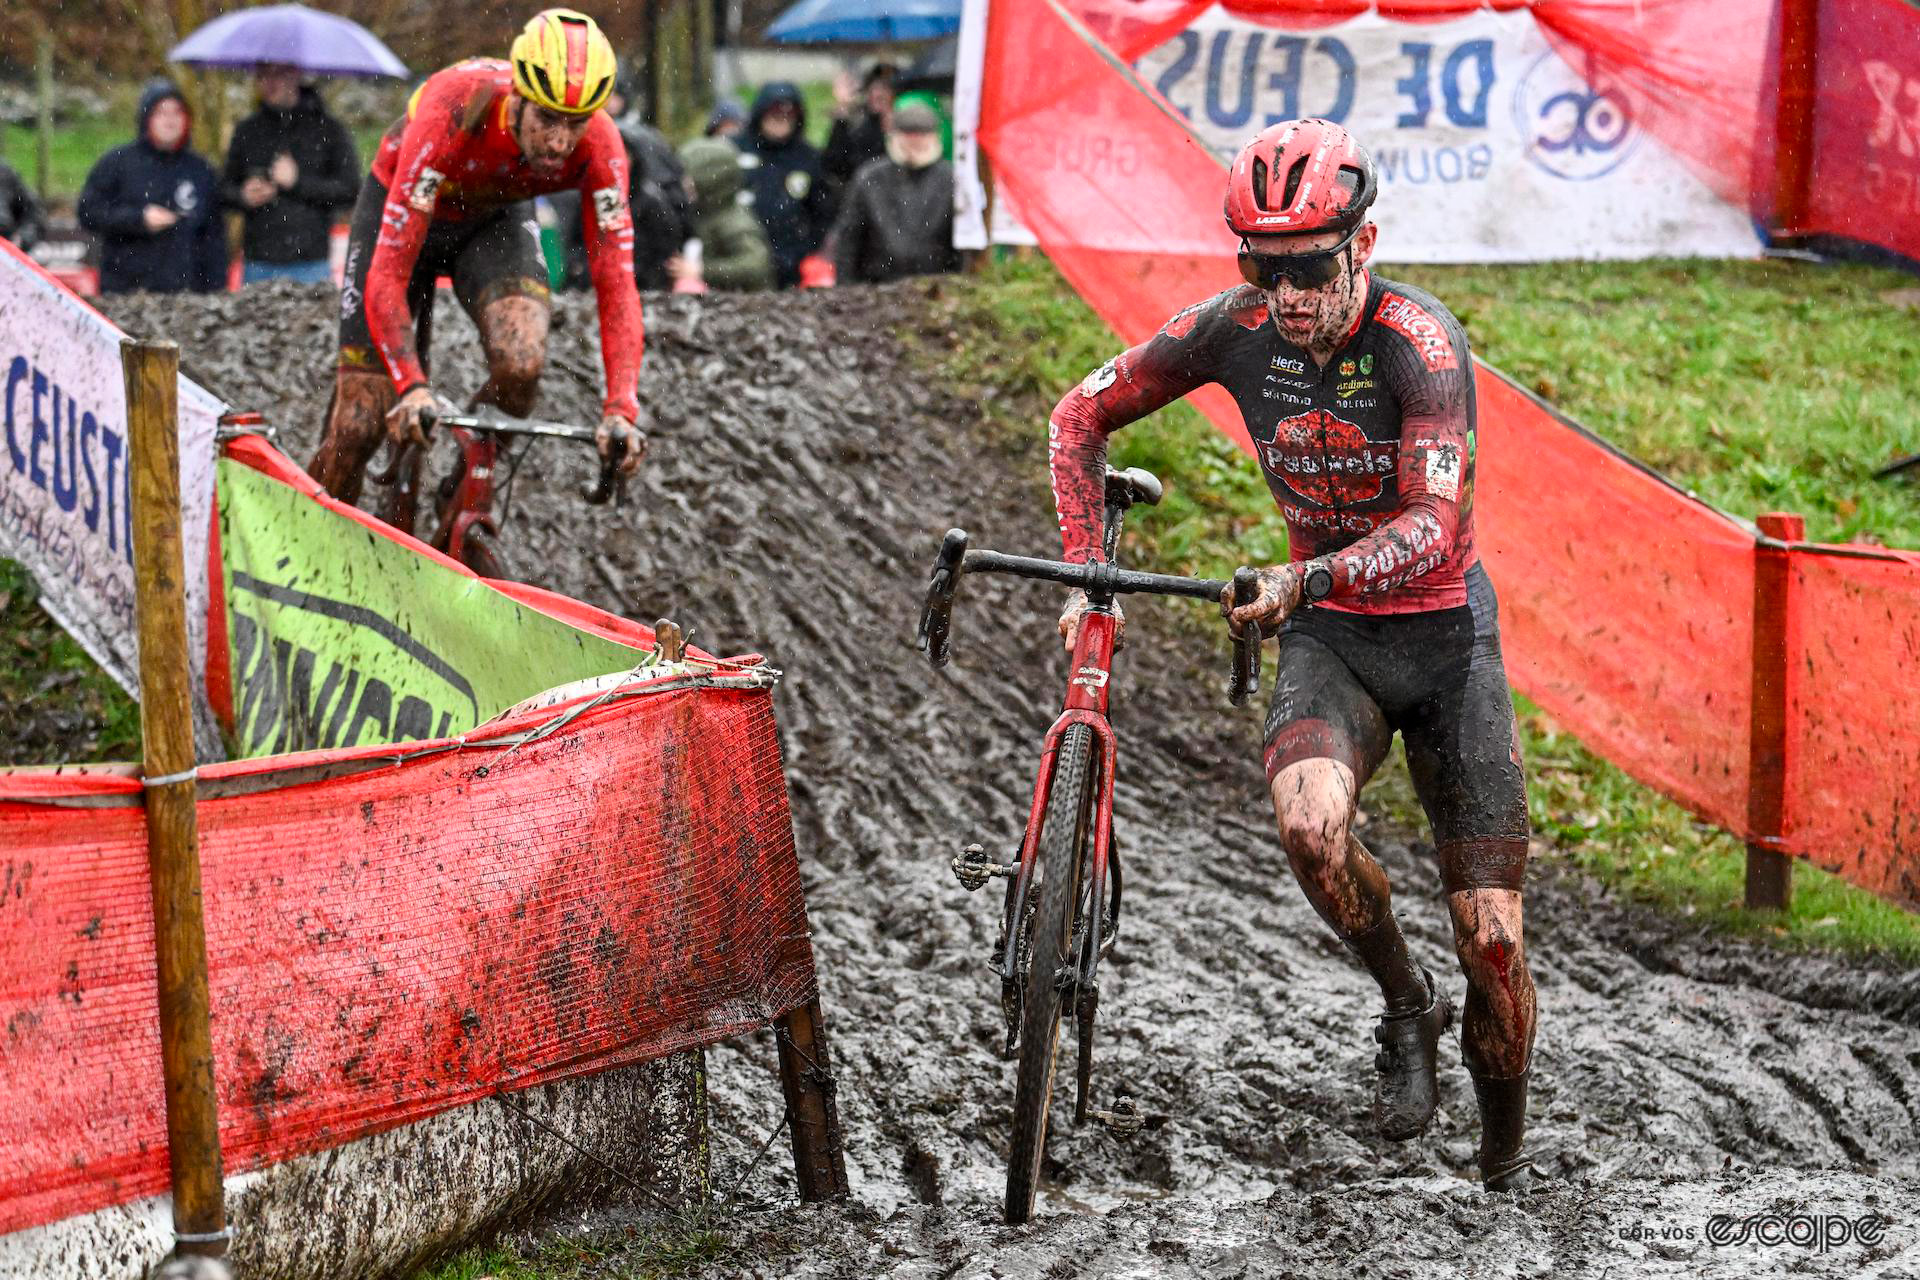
{"x": 733, "y": 248}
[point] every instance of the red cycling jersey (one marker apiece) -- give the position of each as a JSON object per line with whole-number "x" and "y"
{"x": 454, "y": 157}
{"x": 1369, "y": 456}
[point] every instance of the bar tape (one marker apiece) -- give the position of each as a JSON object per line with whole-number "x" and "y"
{"x": 168, "y": 779}
{"x": 222, "y": 1236}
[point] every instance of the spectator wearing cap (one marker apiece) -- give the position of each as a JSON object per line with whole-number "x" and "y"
{"x": 897, "y": 217}
{"x": 22, "y": 220}
{"x": 859, "y": 124}
{"x": 155, "y": 204}
{"x": 291, "y": 169}
{"x": 786, "y": 187}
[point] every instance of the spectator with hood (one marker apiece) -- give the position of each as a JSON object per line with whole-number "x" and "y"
{"x": 787, "y": 187}
{"x": 155, "y": 204}
{"x": 859, "y": 126}
{"x": 291, "y": 169}
{"x": 897, "y": 218}
{"x": 727, "y": 120}
{"x": 733, "y": 248}
{"x": 22, "y": 220}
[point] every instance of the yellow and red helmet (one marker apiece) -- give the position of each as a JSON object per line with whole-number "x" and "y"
{"x": 563, "y": 61}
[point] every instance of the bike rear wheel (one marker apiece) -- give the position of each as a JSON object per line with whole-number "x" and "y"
{"x": 1063, "y": 857}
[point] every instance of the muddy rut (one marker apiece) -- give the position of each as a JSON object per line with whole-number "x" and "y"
{"x": 801, "y": 474}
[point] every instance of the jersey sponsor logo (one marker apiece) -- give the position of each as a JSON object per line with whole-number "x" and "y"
{"x": 1328, "y": 460}
{"x": 1287, "y": 364}
{"x": 1443, "y": 473}
{"x": 1351, "y": 385}
{"x": 425, "y": 190}
{"x": 1361, "y": 522}
{"x": 798, "y": 183}
{"x": 1406, "y": 318}
{"x": 610, "y": 209}
{"x": 1348, "y": 368}
{"x": 1099, "y": 380}
{"x": 1397, "y": 559}
{"x": 1366, "y": 363}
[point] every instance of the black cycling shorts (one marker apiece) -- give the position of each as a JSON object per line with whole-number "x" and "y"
{"x": 1346, "y": 682}
{"x": 496, "y": 256}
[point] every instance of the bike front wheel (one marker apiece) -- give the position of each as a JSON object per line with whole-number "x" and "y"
{"x": 1061, "y": 868}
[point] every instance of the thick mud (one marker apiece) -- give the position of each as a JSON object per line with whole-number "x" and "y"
{"x": 802, "y": 470}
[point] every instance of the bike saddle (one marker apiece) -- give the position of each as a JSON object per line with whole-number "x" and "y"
{"x": 1134, "y": 485}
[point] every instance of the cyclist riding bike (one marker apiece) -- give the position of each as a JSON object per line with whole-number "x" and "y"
{"x": 1358, "y": 395}
{"x": 451, "y": 194}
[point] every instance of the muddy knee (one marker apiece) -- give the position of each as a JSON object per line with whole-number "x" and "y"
{"x": 515, "y": 333}
{"x": 356, "y": 424}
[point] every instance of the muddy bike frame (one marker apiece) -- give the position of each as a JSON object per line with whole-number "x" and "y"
{"x": 464, "y": 502}
{"x": 1086, "y": 703}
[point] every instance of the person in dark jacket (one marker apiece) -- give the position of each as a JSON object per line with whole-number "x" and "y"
{"x": 787, "y": 187}
{"x": 155, "y": 204}
{"x": 897, "y": 218}
{"x": 860, "y": 125}
{"x": 22, "y": 220}
{"x": 290, "y": 170}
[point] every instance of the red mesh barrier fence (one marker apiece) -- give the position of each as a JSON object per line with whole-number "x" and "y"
{"x": 1853, "y": 748}
{"x": 1628, "y": 606}
{"x": 411, "y": 935}
{"x": 1865, "y": 183}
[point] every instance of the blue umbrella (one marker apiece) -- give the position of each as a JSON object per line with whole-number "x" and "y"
{"x": 865, "y": 21}
{"x": 321, "y": 43}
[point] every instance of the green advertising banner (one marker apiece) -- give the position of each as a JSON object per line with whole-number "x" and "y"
{"x": 339, "y": 637}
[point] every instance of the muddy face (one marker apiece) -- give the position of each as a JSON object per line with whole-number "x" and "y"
{"x": 546, "y": 137}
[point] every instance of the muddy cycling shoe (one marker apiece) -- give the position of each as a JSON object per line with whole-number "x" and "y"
{"x": 1405, "y": 1095}
{"x": 1503, "y": 1126}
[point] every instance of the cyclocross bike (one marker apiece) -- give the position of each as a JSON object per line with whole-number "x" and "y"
{"x": 464, "y": 501}
{"x": 1062, "y": 910}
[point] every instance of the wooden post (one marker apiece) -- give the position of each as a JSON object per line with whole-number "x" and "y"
{"x": 806, "y": 1077}
{"x": 43, "y": 87}
{"x": 152, "y": 372}
{"x": 1794, "y": 109}
{"x": 650, "y": 53}
{"x": 1769, "y": 868}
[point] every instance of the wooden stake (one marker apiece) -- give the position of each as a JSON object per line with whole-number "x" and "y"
{"x": 152, "y": 372}
{"x": 806, "y": 1076}
{"x": 1769, "y": 868}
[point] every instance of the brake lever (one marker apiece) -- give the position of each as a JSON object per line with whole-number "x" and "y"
{"x": 1245, "y": 680}
{"x": 401, "y": 461}
{"x": 936, "y": 619}
{"x": 611, "y": 484}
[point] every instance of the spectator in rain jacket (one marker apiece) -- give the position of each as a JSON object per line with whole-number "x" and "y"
{"x": 155, "y": 205}
{"x": 22, "y": 220}
{"x": 897, "y": 218}
{"x": 733, "y": 248}
{"x": 291, "y": 169}
{"x": 860, "y": 126}
{"x": 785, "y": 182}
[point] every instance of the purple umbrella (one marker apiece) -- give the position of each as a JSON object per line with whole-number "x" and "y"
{"x": 321, "y": 43}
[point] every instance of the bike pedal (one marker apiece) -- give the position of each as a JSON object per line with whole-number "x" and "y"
{"x": 973, "y": 868}
{"x": 1126, "y": 1118}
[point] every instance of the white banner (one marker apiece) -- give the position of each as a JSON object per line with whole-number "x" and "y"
{"x": 1489, "y": 147}
{"x": 64, "y": 487}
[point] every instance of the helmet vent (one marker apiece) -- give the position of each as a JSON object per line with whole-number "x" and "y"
{"x": 1260, "y": 183}
{"x": 1348, "y": 180}
{"x": 1294, "y": 174}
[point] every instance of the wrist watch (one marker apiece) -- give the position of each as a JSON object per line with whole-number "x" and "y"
{"x": 1317, "y": 584}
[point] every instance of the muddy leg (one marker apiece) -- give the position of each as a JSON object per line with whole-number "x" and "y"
{"x": 356, "y": 424}
{"x": 514, "y": 330}
{"x": 1497, "y": 1030}
{"x": 1314, "y": 801}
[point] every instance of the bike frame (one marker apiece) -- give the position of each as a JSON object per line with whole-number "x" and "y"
{"x": 471, "y": 502}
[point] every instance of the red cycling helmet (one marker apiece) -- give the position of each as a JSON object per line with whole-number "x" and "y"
{"x": 1299, "y": 176}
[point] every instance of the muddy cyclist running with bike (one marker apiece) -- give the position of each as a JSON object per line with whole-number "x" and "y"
{"x": 1358, "y": 396}
{"x": 451, "y": 193}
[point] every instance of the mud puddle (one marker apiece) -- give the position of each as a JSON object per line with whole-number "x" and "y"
{"x": 800, "y": 477}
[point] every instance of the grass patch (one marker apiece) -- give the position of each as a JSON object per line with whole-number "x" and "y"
{"x": 75, "y": 148}
{"x": 56, "y": 704}
{"x": 1712, "y": 371}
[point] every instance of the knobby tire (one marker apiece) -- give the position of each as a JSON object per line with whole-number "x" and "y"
{"x": 1063, "y": 853}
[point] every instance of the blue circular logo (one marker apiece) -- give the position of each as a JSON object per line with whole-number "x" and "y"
{"x": 1570, "y": 128}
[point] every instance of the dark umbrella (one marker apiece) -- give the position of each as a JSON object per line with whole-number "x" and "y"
{"x": 932, "y": 71}
{"x": 321, "y": 43}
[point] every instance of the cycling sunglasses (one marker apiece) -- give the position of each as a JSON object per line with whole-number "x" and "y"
{"x": 1300, "y": 270}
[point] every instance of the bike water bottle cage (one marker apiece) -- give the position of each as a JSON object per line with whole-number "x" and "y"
{"x": 1300, "y": 270}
